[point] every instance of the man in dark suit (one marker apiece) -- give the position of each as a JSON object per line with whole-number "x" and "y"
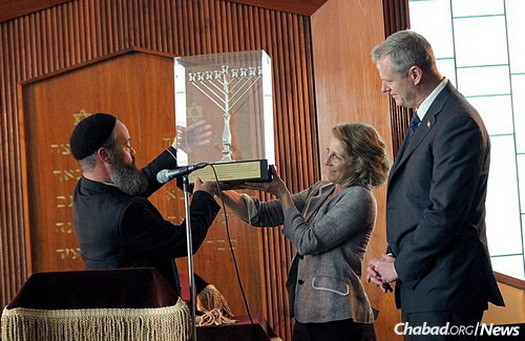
{"x": 437, "y": 250}
{"x": 116, "y": 225}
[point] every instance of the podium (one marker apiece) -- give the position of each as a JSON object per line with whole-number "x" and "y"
{"x": 121, "y": 305}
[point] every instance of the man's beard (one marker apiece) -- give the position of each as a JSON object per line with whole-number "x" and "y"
{"x": 128, "y": 178}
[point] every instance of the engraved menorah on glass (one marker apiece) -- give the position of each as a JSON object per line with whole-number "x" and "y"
{"x": 232, "y": 93}
{"x": 226, "y": 88}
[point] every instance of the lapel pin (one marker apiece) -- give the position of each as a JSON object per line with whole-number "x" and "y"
{"x": 429, "y": 124}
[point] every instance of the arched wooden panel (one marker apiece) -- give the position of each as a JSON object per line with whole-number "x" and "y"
{"x": 81, "y": 31}
{"x": 49, "y": 111}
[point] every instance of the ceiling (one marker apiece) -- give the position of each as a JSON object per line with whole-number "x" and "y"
{"x": 10, "y": 9}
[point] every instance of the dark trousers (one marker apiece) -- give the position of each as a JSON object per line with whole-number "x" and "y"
{"x": 458, "y": 325}
{"x": 344, "y": 330}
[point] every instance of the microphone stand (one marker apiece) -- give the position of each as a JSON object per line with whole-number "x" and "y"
{"x": 189, "y": 246}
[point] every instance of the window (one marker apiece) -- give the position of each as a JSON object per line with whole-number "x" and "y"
{"x": 479, "y": 46}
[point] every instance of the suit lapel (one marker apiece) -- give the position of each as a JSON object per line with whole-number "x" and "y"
{"x": 426, "y": 125}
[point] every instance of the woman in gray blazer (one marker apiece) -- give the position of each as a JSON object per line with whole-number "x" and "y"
{"x": 330, "y": 225}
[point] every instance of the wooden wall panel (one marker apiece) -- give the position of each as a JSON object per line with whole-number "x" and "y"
{"x": 10, "y": 9}
{"x": 12, "y": 249}
{"x": 397, "y": 18}
{"x": 79, "y": 32}
{"x": 348, "y": 88}
{"x": 303, "y": 7}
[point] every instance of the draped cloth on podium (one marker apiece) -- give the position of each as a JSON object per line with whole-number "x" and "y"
{"x": 122, "y": 304}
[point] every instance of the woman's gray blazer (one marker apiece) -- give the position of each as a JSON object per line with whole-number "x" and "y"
{"x": 331, "y": 238}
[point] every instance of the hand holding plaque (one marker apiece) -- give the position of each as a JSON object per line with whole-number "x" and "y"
{"x": 276, "y": 187}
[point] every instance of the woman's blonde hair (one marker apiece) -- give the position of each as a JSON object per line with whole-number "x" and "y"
{"x": 366, "y": 148}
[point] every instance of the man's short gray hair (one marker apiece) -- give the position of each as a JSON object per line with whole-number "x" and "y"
{"x": 406, "y": 49}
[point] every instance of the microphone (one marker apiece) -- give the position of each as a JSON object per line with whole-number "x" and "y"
{"x": 166, "y": 175}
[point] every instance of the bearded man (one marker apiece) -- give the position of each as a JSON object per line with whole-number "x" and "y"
{"x": 116, "y": 225}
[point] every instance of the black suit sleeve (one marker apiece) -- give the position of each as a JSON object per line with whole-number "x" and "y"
{"x": 149, "y": 235}
{"x": 166, "y": 160}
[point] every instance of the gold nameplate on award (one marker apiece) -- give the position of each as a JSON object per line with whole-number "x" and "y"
{"x": 257, "y": 170}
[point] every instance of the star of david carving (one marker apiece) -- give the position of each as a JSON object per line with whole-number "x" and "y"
{"x": 79, "y": 116}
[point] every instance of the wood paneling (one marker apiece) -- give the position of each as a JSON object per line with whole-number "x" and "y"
{"x": 79, "y": 32}
{"x": 303, "y": 7}
{"x": 348, "y": 88}
{"x": 397, "y": 18}
{"x": 10, "y": 9}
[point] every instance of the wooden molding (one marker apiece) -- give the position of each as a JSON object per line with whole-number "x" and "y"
{"x": 301, "y": 7}
{"x": 512, "y": 281}
{"x": 11, "y": 9}
{"x": 97, "y": 60}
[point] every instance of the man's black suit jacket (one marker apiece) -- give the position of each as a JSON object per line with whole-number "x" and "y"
{"x": 436, "y": 212}
{"x": 117, "y": 230}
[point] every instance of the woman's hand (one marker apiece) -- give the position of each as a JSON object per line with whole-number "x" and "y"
{"x": 276, "y": 187}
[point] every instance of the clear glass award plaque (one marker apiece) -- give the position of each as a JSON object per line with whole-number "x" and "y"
{"x": 232, "y": 93}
